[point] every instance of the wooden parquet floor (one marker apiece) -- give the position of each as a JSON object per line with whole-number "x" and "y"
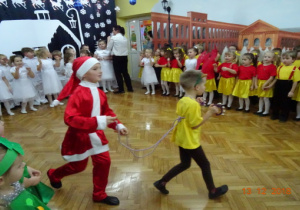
{"x": 245, "y": 151}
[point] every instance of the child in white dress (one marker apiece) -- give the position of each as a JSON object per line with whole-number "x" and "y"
{"x": 51, "y": 82}
{"x": 68, "y": 61}
{"x": 23, "y": 89}
{"x": 108, "y": 75}
{"x": 5, "y": 68}
{"x": 59, "y": 66}
{"x": 148, "y": 76}
{"x": 5, "y": 93}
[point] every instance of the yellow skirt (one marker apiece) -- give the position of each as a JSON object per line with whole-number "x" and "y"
{"x": 176, "y": 72}
{"x": 141, "y": 72}
{"x": 226, "y": 85}
{"x": 210, "y": 85}
{"x": 297, "y": 93}
{"x": 242, "y": 88}
{"x": 263, "y": 93}
{"x": 164, "y": 73}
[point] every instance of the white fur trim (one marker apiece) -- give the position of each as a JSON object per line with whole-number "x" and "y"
{"x": 97, "y": 148}
{"x": 85, "y": 67}
{"x": 101, "y": 120}
{"x": 120, "y": 126}
{"x": 56, "y": 102}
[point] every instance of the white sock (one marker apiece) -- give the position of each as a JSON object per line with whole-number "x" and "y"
{"x": 204, "y": 96}
{"x": 298, "y": 110}
{"x": 163, "y": 86}
{"x": 211, "y": 97}
{"x": 267, "y": 105}
{"x": 247, "y": 103}
{"x": 153, "y": 88}
{"x": 230, "y": 99}
{"x": 241, "y": 103}
{"x": 23, "y": 106}
{"x": 177, "y": 88}
{"x": 104, "y": 86}
{"x": 224, "y": 99}
{"x": 109, "y": 86}
{"x": 148, "y": 88}
{"x": 167, "y": 87}
{"x": 260, "y": 104}
{"x": 7, "y": 106}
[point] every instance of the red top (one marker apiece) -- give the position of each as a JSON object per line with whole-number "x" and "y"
{"x": 246, "y": 73}
{"x": 227, "y": 74}
{"x": 174, "y": 63}
{"x": 265, "y": 72}
{"x": 162, "y": 61}
{"x": 208, "y": 69}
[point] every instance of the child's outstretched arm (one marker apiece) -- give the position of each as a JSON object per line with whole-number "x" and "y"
{"x": 35, "y": 177}
{"x": 211, "y": 110}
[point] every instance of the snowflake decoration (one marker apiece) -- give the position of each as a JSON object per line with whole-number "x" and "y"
{"x": 102, "y": 25}
{"x": 96, "y": 25}
{"x": 117, "y": 9}
{"x": 94, "y": 1}
{"x": 108, "y": 21}
{"x": 108, "y": 12}
{"x": 92, "y": 16}
{"x": 87, "y": 25}
{"x": 99, "y": 6}
{"x": 87, "y": 35}
{"x": 98, "y": 14}
{"x": 106, "y": 1}
{"x": 94, "y": 37}
{"x": 103, "y": 34}
{"x": 83, "y": 11}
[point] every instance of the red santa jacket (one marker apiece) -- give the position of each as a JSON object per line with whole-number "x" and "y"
{"x": 85, "y": 115}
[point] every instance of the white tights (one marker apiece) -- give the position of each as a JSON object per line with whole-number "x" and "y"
{"x": 261, "y": 103}
{"x": 211, "y": 97}
{"x": 224, "y": 100}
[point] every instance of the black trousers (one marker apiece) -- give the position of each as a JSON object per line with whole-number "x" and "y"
{"x": 186, "y": 156}
{"x": 157, "y": 72}
{"x": 281, "y": 102}
{"x": 121, "y": 72}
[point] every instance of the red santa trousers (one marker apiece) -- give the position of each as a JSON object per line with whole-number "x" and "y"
{"x": 101, "y": 163}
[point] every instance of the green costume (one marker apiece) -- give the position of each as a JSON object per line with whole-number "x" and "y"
{"x": 20, "y": 198}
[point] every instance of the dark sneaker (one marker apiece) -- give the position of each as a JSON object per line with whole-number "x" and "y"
{"x": 161, "y": 187}
{"x": 219, "y": 192}
{"x": 56, "y": 185}
{"x": 109, "y": 200}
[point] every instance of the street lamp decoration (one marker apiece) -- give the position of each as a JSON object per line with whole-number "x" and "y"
{"x": 165, "y": 4}
{"x": 132, "y": 2}
{"x": 167, "y": 8}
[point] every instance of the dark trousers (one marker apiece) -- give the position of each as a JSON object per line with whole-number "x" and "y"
{"x": 281, "y": 102}
{"x": 157, "y": 72}
{"x": 121, "y": 71}
{"x": 186, "y": 156}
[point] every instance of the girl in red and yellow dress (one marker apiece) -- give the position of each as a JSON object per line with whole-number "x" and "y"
{"x": 265, "y": 75}
{"x": 297, "y": 92}
{"x": 176, "y": 65}
{"x": 163, "y": 63}
{"x": 245, "y": 83}
{"x": 288, "y": 76}
{"x": 227, "y": 71}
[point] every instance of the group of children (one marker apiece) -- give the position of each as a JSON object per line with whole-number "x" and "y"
{"x": 29, "y": 78}
{"x": 275, "y": 76}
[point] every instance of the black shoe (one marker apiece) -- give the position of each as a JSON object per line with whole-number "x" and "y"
{"x": 297, "y": 119}
{"x": 161, "y": 187}
{"x": 257, "y": 113}
{"x": 274, "y": 117}
{"x": 228, "y": 107}
{"x": 130, "y": 91}
{"x": 119, "y": 92}
{"x": 247, "y": 111}
{"x": 167, "y": 94}
{"x": 163, "y": 94}
{"x": 239, "y": 109}
{"x": 55, "y": 185}
{"x": 109, "y": 200}
{"x": 175, "y": 95}
{"x": 219, "y": 192}
{"x": 282, "y": 119}
{"x": 264, "y": 115}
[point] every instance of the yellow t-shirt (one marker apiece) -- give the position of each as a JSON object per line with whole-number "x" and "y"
{"x": 285, "y": 72}
{"x": 183, "y": 135}
{"x": 297, "y": 63}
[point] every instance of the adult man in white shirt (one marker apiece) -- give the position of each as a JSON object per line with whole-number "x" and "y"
{"x": 118, "y": 45}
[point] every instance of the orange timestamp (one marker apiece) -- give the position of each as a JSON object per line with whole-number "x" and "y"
{"x": 263, "y": 191}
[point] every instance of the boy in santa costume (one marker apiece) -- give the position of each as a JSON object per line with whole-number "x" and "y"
{"x": 87, "y": 114}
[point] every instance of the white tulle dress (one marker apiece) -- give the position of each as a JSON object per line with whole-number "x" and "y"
{"x": 148, "y": 76}
{"x": 23, "y": 89}
{"x": 51, "y": 81}
{"x": 107, "y": 68}
{"x": 5, "y": 94}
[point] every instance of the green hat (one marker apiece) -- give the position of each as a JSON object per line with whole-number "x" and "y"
{"x": 13, "y": 150}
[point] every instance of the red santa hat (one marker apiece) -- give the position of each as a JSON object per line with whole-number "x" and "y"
{"x": 80, "y": 67}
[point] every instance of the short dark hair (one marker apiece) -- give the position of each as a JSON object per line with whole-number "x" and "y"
{"x": 120, "y": 29}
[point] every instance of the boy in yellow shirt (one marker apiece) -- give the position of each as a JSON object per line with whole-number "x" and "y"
{"x": 187, "y": 134}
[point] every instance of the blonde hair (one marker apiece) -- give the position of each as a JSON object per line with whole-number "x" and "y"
{"x": 56, "y": 52}
{"x": 40, "y": 53}
{"x": 290, "y": 54}
{"x": 149, "y": 50}
{"x": 234, "y": 55}
{"x": 13, "y": 57}
{"x": 2, "y": 56}
{"x": 199, "y": 47}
